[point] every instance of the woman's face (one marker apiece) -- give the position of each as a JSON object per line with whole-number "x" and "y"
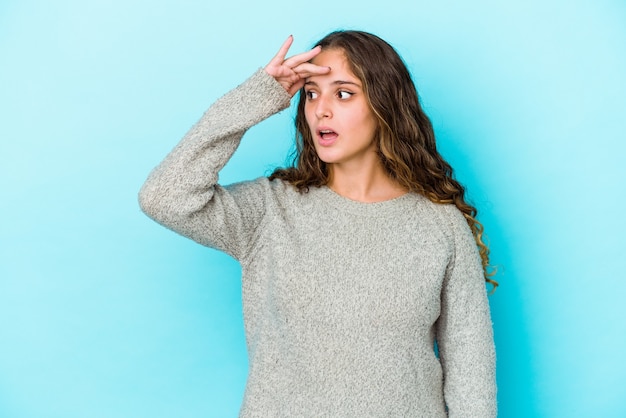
{"x": 342, "y": 124}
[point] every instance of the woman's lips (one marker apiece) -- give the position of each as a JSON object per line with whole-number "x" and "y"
{"x": 326, "y": 137}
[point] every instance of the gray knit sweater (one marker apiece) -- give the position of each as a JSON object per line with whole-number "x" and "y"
{"x": 342, "y": 300}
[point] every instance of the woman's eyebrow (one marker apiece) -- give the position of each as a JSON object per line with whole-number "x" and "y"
{"x": 336, "y": 82}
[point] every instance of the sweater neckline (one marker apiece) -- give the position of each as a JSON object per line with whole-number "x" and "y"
{"x": 383, "y": 208}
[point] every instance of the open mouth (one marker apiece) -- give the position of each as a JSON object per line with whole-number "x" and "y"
{"x": 327, "y": 134}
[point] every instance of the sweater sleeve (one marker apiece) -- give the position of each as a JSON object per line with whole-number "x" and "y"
{"x": 464, "y": 330}
{"x": 182, "y": 193}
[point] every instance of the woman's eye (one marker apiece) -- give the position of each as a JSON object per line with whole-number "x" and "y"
{"x": 344, "y": 94}
{"x": 311, "y": 95}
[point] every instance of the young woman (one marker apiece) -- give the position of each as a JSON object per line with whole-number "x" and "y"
{"x": 357, "y": 259}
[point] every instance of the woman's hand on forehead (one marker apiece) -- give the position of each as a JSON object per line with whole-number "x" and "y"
{"x": 291, "y": 72}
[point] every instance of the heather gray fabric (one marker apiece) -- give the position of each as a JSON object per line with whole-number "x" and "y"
{"x": 342, "y": 300}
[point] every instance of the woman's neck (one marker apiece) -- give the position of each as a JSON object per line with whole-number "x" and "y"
{"x": 366, "y": 184}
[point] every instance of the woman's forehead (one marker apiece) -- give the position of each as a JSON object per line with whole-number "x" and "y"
{"x": 340, "y": 70}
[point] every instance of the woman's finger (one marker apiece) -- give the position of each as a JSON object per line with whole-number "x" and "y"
{"x": 292, "y": 72}
{"x": 293, "y": 89}
{"x": 303, "y": 57}
{"x": 307, "y": 69}
{"x": 279, "y": 58}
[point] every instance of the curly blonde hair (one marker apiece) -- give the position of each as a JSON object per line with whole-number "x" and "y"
{"x": 405, "y": 136}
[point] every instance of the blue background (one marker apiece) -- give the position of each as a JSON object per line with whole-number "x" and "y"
{"x": 105, "y": 314}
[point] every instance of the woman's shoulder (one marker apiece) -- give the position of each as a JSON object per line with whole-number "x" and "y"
{"x": 263, "y": 187}
{"x": 447, "y": 212}
{"x": 445, "y": 217}
{"x": 437, "y": 210}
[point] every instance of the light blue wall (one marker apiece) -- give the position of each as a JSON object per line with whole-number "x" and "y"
{"x": 105, "y": 314}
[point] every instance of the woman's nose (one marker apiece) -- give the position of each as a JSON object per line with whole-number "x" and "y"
{"x": 323, "y": 108}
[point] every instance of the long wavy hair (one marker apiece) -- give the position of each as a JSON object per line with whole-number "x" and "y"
{"x": 405, "y": 137}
